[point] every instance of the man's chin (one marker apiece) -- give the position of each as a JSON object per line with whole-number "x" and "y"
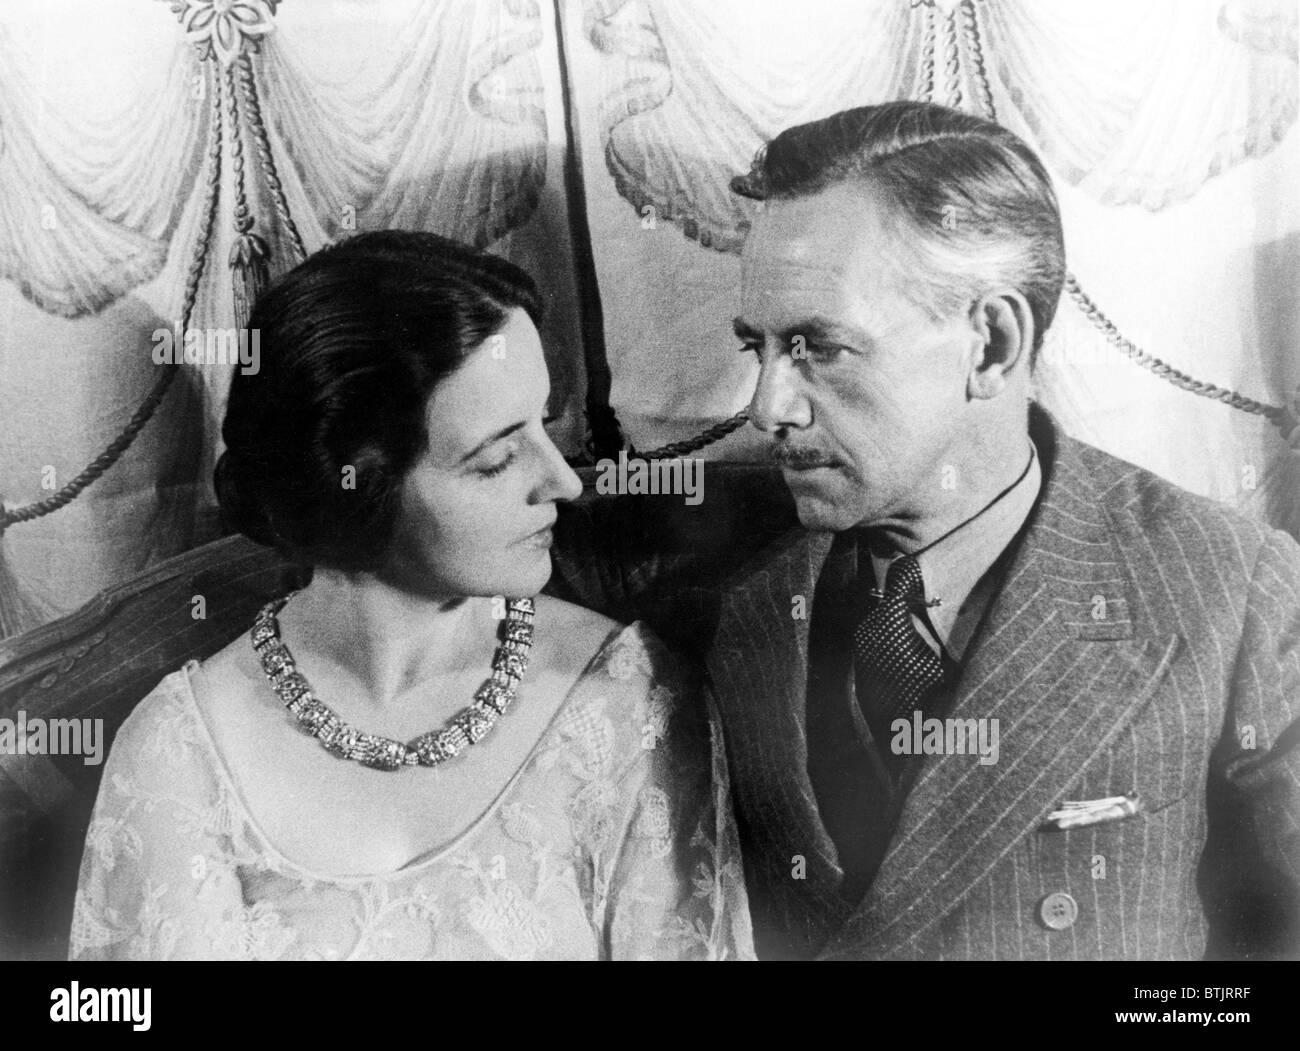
{"x": 821, "y": 514}
{"x": 826, "y": 499}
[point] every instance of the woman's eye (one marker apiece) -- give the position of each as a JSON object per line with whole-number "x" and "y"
{"x": 495, "y": 469}
{"x": 747, "y": 348}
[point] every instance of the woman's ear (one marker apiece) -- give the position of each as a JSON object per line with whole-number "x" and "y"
{"x": 1004, "y": 326}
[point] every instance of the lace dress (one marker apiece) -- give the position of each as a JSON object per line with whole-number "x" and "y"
{"x": 614, "y": 840}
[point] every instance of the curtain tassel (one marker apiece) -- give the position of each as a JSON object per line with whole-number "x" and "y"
{"x": 15, "y": 613}
{"x": 250, "y": 274}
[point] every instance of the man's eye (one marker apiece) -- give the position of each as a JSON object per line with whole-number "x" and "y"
{"x": 817, "y": 351}
{"x": 748, "y": 348}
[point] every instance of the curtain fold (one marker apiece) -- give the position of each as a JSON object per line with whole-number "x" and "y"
{"x": 1169, "y": 126}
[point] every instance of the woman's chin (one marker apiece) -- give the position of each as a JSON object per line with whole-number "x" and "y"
{"x": 515, "y": 572}
{"x": 529, "y": 577}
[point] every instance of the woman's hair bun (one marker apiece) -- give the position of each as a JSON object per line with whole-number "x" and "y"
{"x": 353, "y": 342}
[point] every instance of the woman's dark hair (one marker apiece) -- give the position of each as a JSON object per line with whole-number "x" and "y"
{"x": 352, "y": 343}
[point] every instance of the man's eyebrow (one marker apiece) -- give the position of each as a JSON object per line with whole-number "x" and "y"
{"x": 816, "y": 329}
{"x": 824, "y": 330}
{"x": 505, "y": 432}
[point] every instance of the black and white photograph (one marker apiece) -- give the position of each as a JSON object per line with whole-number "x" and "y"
{"x": 695, "y": 480}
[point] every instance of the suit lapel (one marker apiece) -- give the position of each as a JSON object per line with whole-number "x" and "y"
{"x": 1058, "y": 663}
{"x": 759, "y": 666}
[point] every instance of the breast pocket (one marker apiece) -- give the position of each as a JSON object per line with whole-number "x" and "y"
{"x": 1162, "y": 756}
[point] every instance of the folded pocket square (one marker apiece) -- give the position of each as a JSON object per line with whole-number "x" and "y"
{"x": 1093, "y": 811}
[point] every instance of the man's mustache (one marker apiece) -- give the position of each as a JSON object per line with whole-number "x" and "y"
{"x": 799, "y": 457}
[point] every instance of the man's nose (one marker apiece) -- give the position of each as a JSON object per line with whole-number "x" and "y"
{"x": 778, "y": 400}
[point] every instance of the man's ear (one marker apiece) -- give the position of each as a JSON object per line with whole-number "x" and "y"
{"x": 1004, "y": 327}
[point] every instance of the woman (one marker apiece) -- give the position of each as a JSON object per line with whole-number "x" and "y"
{"x": 501, "y": 777}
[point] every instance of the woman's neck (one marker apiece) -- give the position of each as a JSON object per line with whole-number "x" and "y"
{"x": 366, "y": 635}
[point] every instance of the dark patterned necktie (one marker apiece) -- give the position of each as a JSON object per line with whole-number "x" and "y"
{"x": 896, "y": 670}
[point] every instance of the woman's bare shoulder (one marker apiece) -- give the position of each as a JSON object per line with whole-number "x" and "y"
{"x": 568, "y": 636}
{"x": 235, "y": 663}
{"x": 584, "y": 643}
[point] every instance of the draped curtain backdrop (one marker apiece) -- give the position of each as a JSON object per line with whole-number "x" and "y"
{"x": 161, "y": 159}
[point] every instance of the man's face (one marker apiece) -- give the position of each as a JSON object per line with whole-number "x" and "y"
{"x": 860, "y": 391}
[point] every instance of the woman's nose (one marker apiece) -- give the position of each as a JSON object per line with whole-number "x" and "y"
{"x": 560, "y": 482}
{"x": 570, "y": 483}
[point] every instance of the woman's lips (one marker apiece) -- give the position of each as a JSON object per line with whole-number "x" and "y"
{"x": 544, "y": 537}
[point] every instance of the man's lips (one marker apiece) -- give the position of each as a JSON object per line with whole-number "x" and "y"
{"x": 802, "y": 459}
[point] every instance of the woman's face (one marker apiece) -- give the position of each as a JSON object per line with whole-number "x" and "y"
{"x": 479, "y": 504}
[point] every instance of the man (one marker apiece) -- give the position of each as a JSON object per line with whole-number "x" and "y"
{"x": 994, "y": 693}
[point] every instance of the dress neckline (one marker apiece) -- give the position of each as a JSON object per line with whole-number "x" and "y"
{"x": 192, "y": 676}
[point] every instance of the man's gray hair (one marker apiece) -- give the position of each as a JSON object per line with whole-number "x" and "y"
{"x": 977, "y": 205}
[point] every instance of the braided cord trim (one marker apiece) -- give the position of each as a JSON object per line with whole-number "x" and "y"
{"x": 119, "y": 445}
{"x": 975, "y": 46}
{"x": 243, "y": 215}
{"x": 952, "y": 61}
{"x": 266, "y": 159}
{"x": 706, "y": 437}
{"x": 1162, "y": 369}
{"x": 1276, "y": 414}
{"x": 243, "y": 220}
{"x": 927, "y": 55}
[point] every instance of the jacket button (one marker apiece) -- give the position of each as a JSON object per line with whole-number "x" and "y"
{"x": 1058, "y": 911}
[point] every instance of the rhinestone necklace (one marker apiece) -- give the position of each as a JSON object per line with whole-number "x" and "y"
{"x": 469, "y": 726}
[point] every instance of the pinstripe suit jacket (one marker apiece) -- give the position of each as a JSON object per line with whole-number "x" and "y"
{"x": 1142, "y": 640}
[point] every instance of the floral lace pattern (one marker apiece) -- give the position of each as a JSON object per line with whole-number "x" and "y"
{"x": 614, "y": 841}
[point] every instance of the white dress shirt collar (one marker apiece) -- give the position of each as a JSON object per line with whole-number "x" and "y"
{"x": 952, "y": 568}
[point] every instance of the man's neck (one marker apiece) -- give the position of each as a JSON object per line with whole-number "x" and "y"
{"x": 989, "y": 465}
